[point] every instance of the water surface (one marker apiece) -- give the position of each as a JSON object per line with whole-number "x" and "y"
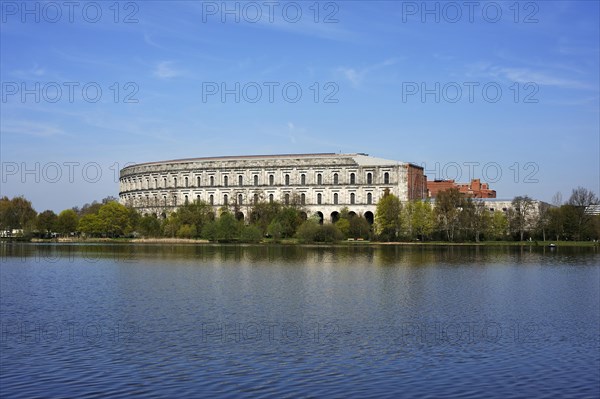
{"x": 286, "y": 321}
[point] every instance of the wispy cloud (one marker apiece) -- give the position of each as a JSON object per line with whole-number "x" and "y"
{"x": 165, "y": 70}
{"x": 356, "y": 75}
{"x": 528, "y": 75}
{"x": 31, "y": 129}
{"x": 148, "y": 40}
{"x": 35, "y": 72}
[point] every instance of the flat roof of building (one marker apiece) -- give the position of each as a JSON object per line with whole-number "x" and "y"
{"x": 360, "y": 158}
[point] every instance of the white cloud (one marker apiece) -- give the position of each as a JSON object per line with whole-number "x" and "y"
{"x": 165, "y": 70}
{"x": 356, "y": 76}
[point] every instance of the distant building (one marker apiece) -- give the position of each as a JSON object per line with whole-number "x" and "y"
{"x": 322, "y": 184}
{"x": 592, "y": 210}
{"x": 475, "y": 189}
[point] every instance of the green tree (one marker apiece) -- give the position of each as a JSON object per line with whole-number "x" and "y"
{"x": 475, "y": 217}
{"x": 308, "y": 231}
{"x": 149, "y": 226}
{"x": 543, "y": 219}
{"x": 67, "y": 221}
{"x": 228, "y": 228}
{"x": 580, "y": 199}
{"x": 209, "y": 231}
{"x": 275, "y": 230}
{"x": 556, "y": 226}
{"x": 359, "y": 227}
{"x": 5, "y": 214}
{"x": 498, "y": 226}
{"x": 250, "y": 233}
{"x": 423, "y": 219}
{"x": 447, "y": 209}
{"x": 312, "y": 231}
{"x": 343, "y": 225}
{"x": 197, "y": 214}
{"x": 17, "y": 213}
{"x": 187, "y": 231}
{"x": 171, "y": 225}
{"x": 115, "y": 219}
{"x": 263, "y": 213}
{"x": 387, "y": 217}
{"x": 46, "y": 222}
{"x": 569, "y": 215}
{"x": 521, "y": 215}
{"x": 91, "y": 225}
{"x": 289, "y": 219}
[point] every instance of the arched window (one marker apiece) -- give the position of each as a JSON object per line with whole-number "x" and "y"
{"x": 352, "y": 178}
{"x": 198, "y": 181}
{"x": 165, "y": 199}
{"x": 335, "y": 199}
{"x": 369, "y": 198}
{"x": 287, "y": 180}
{"x": 211, "y": 199}
{"x": 225, "y": 181}
{"x": 369, "y": 178}
{"x": 174, "y": 182}
{"x": 271, "y": 179}
{"x": 303, "y": 179}
{"x": 352, "y": 198}
{"x": 175, "y": 200}
{"x": 255, "y": 199}
{"x": 319, "y": 178}
{"x": 303, "y": 199}
{"x": 270, "y": 198}
{"x": 240, "y": 199}
{"x": 335, "y": 178}
{"x": 186, "y": 181}
{"x": 256, "y": 180}
{"x": 386, "y": 178}
{"x": 155, "y": 183}
{"x": 287, "y": 199}
{"x": 212, "y": 180}
{"x": 319, "y": 199}
{"x": 198, "y": 198}
{"x": 186, "y": 200}
{"x": 225, "y": 199}
{"x": 165, "y": 182}
{"x": 147, "y": 183}
{"x": 240, "y": 180}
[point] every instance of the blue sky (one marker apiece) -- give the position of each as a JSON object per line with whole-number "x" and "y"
{"x": 500, "y": 87}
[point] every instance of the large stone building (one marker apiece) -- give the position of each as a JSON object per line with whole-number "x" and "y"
{"x": 321, "y": 183}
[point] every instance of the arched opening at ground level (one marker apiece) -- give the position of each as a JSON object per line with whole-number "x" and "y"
{"x": 335, "y": 216}
{"x": 320, "y": 215}
{"x": 303, "y": 215}
{"x": 352, "y": 214}
{"x": 369, "y": 216}
{"x": 239, "y": 216}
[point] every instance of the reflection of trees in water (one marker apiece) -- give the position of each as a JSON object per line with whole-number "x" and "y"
{"x": 318, "y": 255}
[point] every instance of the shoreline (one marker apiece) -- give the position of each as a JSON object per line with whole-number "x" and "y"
{"x": 293, "y": 242}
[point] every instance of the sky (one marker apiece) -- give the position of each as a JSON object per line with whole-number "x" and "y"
{"x": 507, "y": 92}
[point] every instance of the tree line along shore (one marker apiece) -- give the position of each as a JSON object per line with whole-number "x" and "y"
{"x": 451, "y": 218}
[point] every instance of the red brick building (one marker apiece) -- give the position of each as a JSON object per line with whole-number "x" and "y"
{"x": 474, "y": 189}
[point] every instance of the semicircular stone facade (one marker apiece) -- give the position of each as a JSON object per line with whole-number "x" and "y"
{"x": 321, "y": 184}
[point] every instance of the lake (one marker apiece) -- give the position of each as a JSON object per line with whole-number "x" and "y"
{"x": 122, "y": 320}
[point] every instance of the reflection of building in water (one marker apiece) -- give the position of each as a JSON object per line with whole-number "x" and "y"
{"x": 321, "y": 184}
